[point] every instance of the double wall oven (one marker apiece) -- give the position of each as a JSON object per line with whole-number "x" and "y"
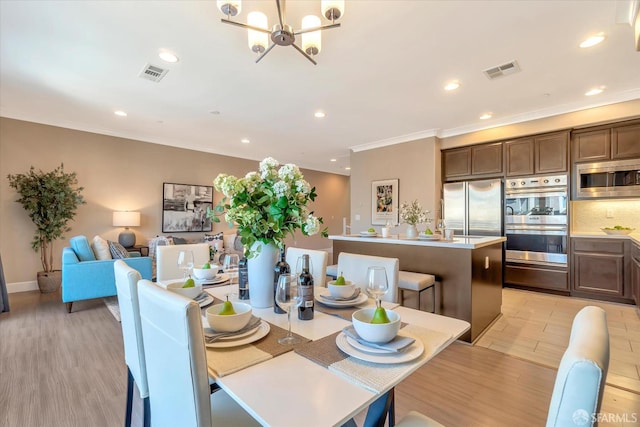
{"x": 536, "y": 220}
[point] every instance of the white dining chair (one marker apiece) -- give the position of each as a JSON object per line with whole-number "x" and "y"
{"x": 167, "y": 259}
{"x": 126, "y": 286}
{"x": 354, "y": 267}
{"x": 179, "y": 388}
{"x": 318, "y": 261}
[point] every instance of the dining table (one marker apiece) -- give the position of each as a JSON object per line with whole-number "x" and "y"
{"x": 315, "y": 383}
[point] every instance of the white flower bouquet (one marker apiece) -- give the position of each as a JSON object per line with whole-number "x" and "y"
{"x": 412, "y": 213}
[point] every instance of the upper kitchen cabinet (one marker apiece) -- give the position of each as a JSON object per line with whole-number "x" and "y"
{"x": 606, "y": 143}
{"x": 477, "y": 161}
{"x": 539, "y": 154}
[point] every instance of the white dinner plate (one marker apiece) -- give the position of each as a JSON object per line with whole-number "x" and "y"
{"x": 205, "y": 302}
{"x": 368, "y": 234}
{"x": 220, "y": 278}
{"x": 414, "y": 351}
{"x": 242, "y": 339}
{"x": 429, "y": 236}
{"x": 362, "y": 297}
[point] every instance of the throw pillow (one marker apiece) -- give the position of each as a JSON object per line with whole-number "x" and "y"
{"x": 101, "y": 248}
{"x": 81, "y": 247}
{"x": 179, "y": 241}
{"x": 117, "y": 250}
{"x": 215, "y": 240}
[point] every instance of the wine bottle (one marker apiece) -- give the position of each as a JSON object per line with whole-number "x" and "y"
{"x": 243, "y": 279}
{"x": 281, "y": 268}
{"x": 305, "y": 281}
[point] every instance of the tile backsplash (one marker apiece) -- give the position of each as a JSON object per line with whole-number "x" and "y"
{"x": 591, "y": 215}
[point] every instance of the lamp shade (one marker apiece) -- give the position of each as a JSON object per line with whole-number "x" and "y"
{"x": 126, "y": 219}
{"x": 229, "y": 7}
{"x": 311, "y": 42}
{"x": 332, "y": 9}
{"x": 258, "y": 40}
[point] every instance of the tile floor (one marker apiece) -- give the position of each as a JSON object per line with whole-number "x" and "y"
{"x": 536, "y": 327}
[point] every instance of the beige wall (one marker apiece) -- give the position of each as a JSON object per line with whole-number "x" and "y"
{"x": 588, "y": 216}
{"x": 417, "y": 166}
{"x": 122, "y": 174}
{"x": 591, "y": 116}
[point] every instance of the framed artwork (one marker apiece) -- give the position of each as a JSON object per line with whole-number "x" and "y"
{"x": 384, "y": 202}
{"x": 184, "y": 207}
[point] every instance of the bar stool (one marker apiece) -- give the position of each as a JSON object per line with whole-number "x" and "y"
{"x": 417, "y": 282}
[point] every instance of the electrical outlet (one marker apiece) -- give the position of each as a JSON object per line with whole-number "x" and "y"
{"x": 609, "y": 213}
{"x": 357, "y": 217}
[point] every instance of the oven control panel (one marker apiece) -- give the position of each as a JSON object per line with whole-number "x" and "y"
{"x": 536, "y": 182}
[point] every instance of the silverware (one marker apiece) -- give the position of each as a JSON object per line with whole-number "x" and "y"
{"x": 201, "y": 296}
{"x": 211, "y": 337}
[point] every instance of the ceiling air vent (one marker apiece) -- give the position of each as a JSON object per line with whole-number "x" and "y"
{"x": 502, "y": 70}
{"x": 153, "y": 73}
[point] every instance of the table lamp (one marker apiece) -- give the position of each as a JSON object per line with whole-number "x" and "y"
{"x": 127, "y": 219}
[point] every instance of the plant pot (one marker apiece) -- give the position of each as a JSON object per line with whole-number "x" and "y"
{"x": 412, "y": 231}
{"x": 49, "y": 281}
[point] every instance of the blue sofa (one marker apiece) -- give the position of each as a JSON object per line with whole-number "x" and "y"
{"x": 84, "y": 277}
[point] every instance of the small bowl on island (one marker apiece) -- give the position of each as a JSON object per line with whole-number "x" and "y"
{"x": 618, "y": 230}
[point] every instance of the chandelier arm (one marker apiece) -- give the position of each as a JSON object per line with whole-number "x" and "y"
{"x": 262, "y": 55}
{"x": 250, "y": 27}
{"x": 281, "y": 12}
{"x": 304, "y": 54}
{"x": 309, "y": 30}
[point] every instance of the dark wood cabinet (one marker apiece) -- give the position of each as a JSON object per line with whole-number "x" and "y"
{"x": 540, "y": 154}
{"x": 601, "y": 268}
{"x": 591, "y": 146}
{"x": 625, "y": 142}
{"x": 539, "y": 277}
{"x": 476, "y": 161}
{"x": 635, "y": 272}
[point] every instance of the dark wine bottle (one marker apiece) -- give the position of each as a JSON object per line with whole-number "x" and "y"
{"x": 305, "y": 281}
{"x": 243, "y": 279}
{"x": 281, "y": 268}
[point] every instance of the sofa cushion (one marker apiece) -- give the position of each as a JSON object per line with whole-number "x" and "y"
{"x": 81, "y": 247}
{"x": 215, "y": 241}
{"x": 100, "y": 248}
{"x": 117, "y": 250}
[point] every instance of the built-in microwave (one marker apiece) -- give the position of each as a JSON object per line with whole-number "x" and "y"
{"x": 617, "y": 178}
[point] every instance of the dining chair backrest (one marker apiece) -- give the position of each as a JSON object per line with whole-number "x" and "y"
{"x": 354, "y": 267}
{"x": 127, "y": 287}
{"x": 167, "y": 259}
{"x": 318, "y": 261}
{"x": 577, "y": 393}
{"x": 176, "y": 361}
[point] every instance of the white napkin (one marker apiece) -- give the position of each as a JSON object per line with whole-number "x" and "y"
{"x": 396, "y": 345}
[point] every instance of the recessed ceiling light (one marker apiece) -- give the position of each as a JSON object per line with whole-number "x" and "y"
{"x": 452, "y": 86}
{"x": 347, "y": 168}
{"x": 333, "y": 160}
{"x": 168, "y": 56}
{"x": 593, "y": 40}
{"x": 486, "y": 116}
{"x": 595, "y": 91}
{"x": 245, "y": 141}
{"x": 319, "y": 114}
{"x": 120, "y": 113}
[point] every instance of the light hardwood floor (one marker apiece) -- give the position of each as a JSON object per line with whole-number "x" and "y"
{"x": 59, "y": 369}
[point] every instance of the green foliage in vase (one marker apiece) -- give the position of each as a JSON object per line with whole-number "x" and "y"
{"x": 51, "y": 200}
{"x": 267, "y": 205}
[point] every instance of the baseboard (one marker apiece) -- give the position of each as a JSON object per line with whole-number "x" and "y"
{"x": 22, "y": 286}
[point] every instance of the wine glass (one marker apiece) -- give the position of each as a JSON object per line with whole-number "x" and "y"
{"x": 230, "y": 267}
{"x": 185, "y": 262}
{"x": 377, "y": 284}
{"x": 288, "y": 297}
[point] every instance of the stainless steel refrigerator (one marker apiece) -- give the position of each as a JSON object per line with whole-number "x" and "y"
{"x": 474, "y": 208}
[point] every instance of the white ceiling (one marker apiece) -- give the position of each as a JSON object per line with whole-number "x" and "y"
{"x": 379, "y": 77}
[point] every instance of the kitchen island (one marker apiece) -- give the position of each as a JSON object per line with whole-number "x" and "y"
{"x": 468, "y": 267}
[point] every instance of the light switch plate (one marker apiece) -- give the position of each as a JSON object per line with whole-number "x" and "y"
{"x": 609, "y": 213}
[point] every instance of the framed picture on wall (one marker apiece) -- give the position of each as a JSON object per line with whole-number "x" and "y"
{"x": 184, "y": 207}
{"x": 384, "y": 202}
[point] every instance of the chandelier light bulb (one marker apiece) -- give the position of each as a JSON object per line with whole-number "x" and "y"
{"x": 311, "y": 42}
{"x": 258, "y": 41}
{"x": 229, "y": 7}
{"x": 332, "y": 9}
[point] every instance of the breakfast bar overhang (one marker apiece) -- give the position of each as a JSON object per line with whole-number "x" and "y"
{"x": 469, "y": 269}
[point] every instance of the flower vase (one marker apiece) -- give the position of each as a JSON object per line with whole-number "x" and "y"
{"x": 412, "y": 231}
{"x": 261, "y": 274}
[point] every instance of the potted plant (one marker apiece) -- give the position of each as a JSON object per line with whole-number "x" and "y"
{"x": 51, "y": 200}
{"x": 412, "y": 214}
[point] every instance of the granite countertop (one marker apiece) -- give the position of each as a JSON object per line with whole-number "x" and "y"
{"x": 460, "y": 242}
{"x": 634, "y": 237}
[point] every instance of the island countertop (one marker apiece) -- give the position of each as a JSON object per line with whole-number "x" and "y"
{"x": 459, "y": 242}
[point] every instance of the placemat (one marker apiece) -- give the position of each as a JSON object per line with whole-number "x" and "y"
{"x": 225, "y": 361}
{"x": 343, "y": 312}
{"x": 375, "y": 377}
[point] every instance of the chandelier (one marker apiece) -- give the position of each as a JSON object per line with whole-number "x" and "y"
{"x": 282, "y": 34}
